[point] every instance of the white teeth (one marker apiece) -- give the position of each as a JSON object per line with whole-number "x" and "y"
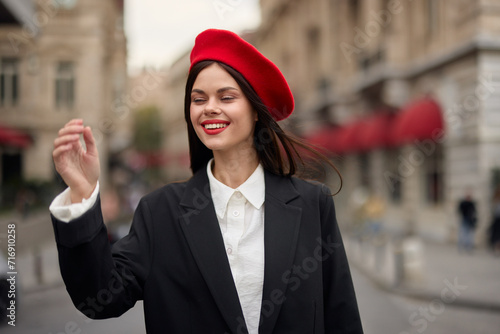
{"x": 215, "y": 126}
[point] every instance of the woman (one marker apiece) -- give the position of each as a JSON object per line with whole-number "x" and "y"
{"x": 242, "y": 246}
{"x": 494, "y": 229}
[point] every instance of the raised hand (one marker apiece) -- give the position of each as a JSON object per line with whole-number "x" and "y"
{"x": 78, "y": 167}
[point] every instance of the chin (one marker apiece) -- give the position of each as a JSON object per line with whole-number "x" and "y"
{"x": 211, "y": 145}
{"x": 217, "y": 148}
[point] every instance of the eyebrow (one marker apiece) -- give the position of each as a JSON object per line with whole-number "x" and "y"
{"x": 220, "y": 90}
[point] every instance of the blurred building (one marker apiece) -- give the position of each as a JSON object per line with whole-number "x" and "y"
{"x": 145, "y": 97}
{"x": 59, "y": 59}
{"x": 162, "y": 89}
{"x": 176, "y": 138}
{"x": 404, "y": 95}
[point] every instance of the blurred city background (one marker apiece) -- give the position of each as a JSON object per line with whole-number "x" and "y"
{"x": 402, "y": 95}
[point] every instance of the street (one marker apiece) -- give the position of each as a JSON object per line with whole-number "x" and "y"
{"x": 385, "y": 313}
{"x": 51, "y": 312}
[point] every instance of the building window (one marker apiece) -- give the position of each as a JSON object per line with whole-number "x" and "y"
{"x": 432, "y": 16}
{"x": 313, "y": 38}
{"x": 392, "y": 175}
{"x": 65, "y": 85}
{"x": 495, "y": 180}
{"x": 365, "y": 170}
{"x": 433, "y": 173}
{"x": 354, "y": 11}
{"x": 9, "y": 81}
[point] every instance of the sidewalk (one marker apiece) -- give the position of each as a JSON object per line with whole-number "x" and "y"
{"x": 32, "y": 231}
{"x": 431, "y": 271}
{"x": 36, "y": 260}
{"x": 36, "y": 252}
{"x": 39, "y": 270}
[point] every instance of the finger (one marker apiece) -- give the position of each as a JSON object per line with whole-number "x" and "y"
{"x": 89, "y": 141}
{"x": 60, "y": 150}
{"x": 63, "y": 140}
{"x": 75, "y": 121}
{"x": 71, "y": 129}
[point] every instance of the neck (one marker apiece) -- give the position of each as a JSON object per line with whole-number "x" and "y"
{"x": 234, "y": 168}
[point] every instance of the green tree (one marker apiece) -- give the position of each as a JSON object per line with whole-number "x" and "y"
{"x": 148, "y": 142}
{"x": 147, "y": 129}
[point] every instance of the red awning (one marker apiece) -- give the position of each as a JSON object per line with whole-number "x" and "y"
{"x": 348, "y": 137}
{"x": 419, "y": 120}
{"x": 338, "y": 140}
{"x": 376, "y": 132}
{"x": 323, "y": 138}
{"x": 14, "y": 138}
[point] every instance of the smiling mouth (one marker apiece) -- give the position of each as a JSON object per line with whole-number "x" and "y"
{"x": 214, "y": 126}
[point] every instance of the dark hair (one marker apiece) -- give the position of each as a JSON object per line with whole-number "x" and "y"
{"x": 278, "y": 151}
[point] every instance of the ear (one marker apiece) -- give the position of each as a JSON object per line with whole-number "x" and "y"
{"x": 255, "y": 116}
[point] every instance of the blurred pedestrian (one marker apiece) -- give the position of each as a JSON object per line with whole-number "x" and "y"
{"x": 374, "y": 209}
{"x": 110, "y": 208}
{"x": 494, "y": 229}
{"x": 25, "y": 199}
{"x": 357, "y": 201}
{"x": 468, "y": 221}
{"x": 243, "y": 246}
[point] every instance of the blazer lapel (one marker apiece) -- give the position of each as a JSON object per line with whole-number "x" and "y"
{"x": 202, "y": 231}
{"x": 281, "y": 228}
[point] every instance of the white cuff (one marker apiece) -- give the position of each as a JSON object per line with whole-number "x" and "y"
{"x": 65, "y": 211}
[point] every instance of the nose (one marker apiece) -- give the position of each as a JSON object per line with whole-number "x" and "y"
{"x": 212, "y": 109}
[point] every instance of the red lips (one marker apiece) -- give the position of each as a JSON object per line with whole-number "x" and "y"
{"x": 214, "y": 126}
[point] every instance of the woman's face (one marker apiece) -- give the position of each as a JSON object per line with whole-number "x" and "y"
{"x": 221, "y": 114}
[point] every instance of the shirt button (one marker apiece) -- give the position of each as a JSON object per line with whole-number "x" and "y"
{"x": 236, "y": 213}
{"x": 238, "y": 195}
{"x": 230, "y": 250}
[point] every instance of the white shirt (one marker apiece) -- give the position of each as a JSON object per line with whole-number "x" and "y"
{"x": 240, "y": 213}
{"x": 62, "y": 208}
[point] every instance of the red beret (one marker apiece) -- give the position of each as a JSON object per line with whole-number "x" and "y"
{"x": 264, "y": 77}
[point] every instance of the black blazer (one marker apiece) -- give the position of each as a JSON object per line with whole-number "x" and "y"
{"x": 174, "y": 259}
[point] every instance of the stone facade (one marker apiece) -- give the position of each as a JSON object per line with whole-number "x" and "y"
{"x": 345, "y": 59}
{"x": 69, "y": 62}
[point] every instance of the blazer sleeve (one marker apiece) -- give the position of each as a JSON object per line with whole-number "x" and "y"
{"x": 340, "y": 305}
{"x": 103, "y": 282}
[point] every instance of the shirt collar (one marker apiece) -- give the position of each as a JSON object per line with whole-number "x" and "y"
{"x": 253, "y": 189}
